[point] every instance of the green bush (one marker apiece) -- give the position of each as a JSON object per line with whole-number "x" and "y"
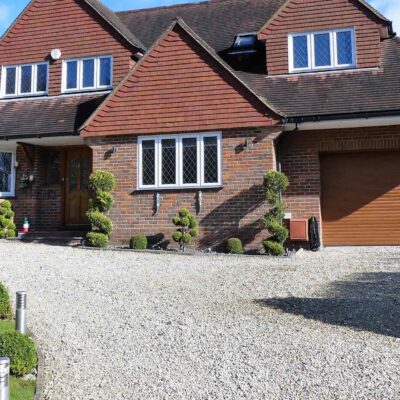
{"x": 102, "y": 181}
{"x": 138, "y": 242}
{"x": 234, "y": 246}
{"x": 5, "y": 303}
{"x": 102, "y": 202}
{"x": 273, "y": 248}
{"x": 187, "y": 228}
{"x": 21, "y": 351}
{"x": 275, "y": 183}
{"x": 96, "y": 239}
{"x": 100, "y": 222}
{"x": 7, "y": 226}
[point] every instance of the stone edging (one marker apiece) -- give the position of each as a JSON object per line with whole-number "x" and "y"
{"x": 40, "y": 368}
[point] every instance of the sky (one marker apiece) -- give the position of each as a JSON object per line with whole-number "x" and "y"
{"x": 9, "y": 9}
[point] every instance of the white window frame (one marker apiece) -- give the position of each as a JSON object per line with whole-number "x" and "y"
{"x": 18, "y": 93}
{"x": 12, "y": 192}
{"x": 311, "y": 50}
{"x": 179, "y": 161}
{"x": 80, "y": 87}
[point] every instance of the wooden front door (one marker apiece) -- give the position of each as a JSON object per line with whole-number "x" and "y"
{"x": 77, "y": 170}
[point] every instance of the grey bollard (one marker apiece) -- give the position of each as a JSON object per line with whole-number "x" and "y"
{"x": 20, "y": 314}
{"x": 4, "y": 378}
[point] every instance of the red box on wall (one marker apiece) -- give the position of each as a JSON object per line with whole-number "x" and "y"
{"x": 299, "y": 230}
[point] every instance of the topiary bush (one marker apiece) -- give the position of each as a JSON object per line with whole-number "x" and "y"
{"x": 21, "y": 351}
{"x": 275, "y": 183}
{"x": 234, "y": 246}
{"x": 101, "y": 183}
{"x": 5, "y": 303}
{"x": 187, "y": 228}
{"x": 138, "y": 242}
{"x": 7, "y": 226}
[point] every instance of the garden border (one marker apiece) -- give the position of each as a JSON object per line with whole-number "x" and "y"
{"x": 40, "y": 377}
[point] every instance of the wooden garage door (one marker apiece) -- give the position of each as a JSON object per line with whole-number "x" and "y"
{"x": 361, "y": 198}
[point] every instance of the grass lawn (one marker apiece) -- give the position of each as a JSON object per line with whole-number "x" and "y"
{"x": 19, "y": 389}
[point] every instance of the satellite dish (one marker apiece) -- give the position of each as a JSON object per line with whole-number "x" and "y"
{"x": 55, "y": 54}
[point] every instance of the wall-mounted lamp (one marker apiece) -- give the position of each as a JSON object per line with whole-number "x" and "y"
{"x": 199, "y": 201}
{"x": 55, "y": 54}
{"x": 113, "y": 150}
{"x": 157, "y": 202}
{"x": 16, "y": 164}
{"x": 247, "y": 144}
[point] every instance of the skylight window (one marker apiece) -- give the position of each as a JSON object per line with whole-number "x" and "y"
{"x": 315, "y": 51}
{"x": 244, "y": 43}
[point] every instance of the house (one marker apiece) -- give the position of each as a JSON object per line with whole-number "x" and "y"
{"x": 190, "y": 105}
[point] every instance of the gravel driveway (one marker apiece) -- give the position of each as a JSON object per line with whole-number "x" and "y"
{"x": 121, "y": 325}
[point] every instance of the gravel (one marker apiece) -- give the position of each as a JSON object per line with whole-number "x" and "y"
{"x": 122, "y": 325}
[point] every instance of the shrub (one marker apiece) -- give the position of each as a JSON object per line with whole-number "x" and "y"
{"x": 275, "y": 183}
{"x": 21, "y": 351}
{"x": 187, "y": 228}
{"x": 273, "y": 248}
{"x": 101, "y": 182}
{"x": 234, "y": 246}
{"x": 96, "y": 239}
{"x": 138, "y": 242}
{"x": 5, "y": 303}
{"x": 7, "y": 226}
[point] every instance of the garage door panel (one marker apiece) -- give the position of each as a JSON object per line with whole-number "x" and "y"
{"x": 360, "y": 198}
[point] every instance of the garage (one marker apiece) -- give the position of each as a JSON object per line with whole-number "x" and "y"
{"x": 360, "y": 198}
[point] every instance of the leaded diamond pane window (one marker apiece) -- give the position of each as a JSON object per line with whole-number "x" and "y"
{"x": 168, "y": 162}
{"x": 105, "y": 71}
{"x": 148, "y": 162}
{"x": 26, "y": 79}
{"x": 88, "y": 73}
{"x": 11, "y": 80}
{"x": 72, "y": 74}
{"x": 322, "y": 49}
{"x": 189, "y": 160}
{"x": 300, "y": 52}
{"x": 41, "y": 78}
{"x": 6, "y": 173}
{"x": 210, "y": 159}
{"x": 344, "y": 48}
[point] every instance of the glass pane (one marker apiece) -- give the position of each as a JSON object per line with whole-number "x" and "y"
{"x": 105, "y": 71}
{"x": 189, "y": 159}
{"x": 85, "y": 172}
{"x": 168, "y": 175}
{"x": 26, "y": 79}
{"x": 53, "y": 167}
{"x": 72, "y": 74}
{"x": 41, "y": 78}
{"x": 5, "y": 172}
{"x": 322, "y": 48}
{"x": 73, "y": 175}
{"x": 344, "y": 48}
{"x": 88, "y": 73}
{"x": 210, "y": 160}
{"x": 148, "y": 162}
{"x": 11, "y": 80}
{"x": 300, "y": 52}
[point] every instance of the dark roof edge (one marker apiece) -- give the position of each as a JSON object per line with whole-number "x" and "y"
{"x": 344, "y": 116}
{"x": 38, "y": 136}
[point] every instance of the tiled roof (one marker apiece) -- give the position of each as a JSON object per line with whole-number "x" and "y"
{"x": 47, "y": 116}
{"x": 217, "y": 22}
{"x": 346, "y": 92}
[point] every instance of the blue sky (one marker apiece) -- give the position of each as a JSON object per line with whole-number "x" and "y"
{"x": 9, "y": 9}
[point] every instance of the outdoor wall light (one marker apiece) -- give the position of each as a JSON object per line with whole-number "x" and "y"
{"x": 16, "y": 164}
{"x": 157, "y": 202}
{"x": 4, "y": 378}
{"x": 20, "y": 314}
{"x": 113, "y": 150}
{"x": 199, "y": 201}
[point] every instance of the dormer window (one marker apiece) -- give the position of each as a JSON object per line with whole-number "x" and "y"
{"x": 24, "y": 80}
{"x": 322, "y": 50}
{"x": 92, "y": 73}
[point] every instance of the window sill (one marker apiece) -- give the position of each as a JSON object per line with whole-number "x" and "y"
{"x": 23, "y": 96}
{"x": 322, "y": 70}
{"x": 89, "y": 90}
{"x": 179, "y": 188}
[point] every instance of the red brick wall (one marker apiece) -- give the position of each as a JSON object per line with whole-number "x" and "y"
{"x": 299, "y": 157}
{"x": 72, "y": 27}
{"x": 235, "y": 209}
{"x": 312, "y": 15}
{"x": 178, "y": 88}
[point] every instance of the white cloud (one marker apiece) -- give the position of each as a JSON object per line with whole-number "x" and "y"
{"x": 390, "y": 9}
